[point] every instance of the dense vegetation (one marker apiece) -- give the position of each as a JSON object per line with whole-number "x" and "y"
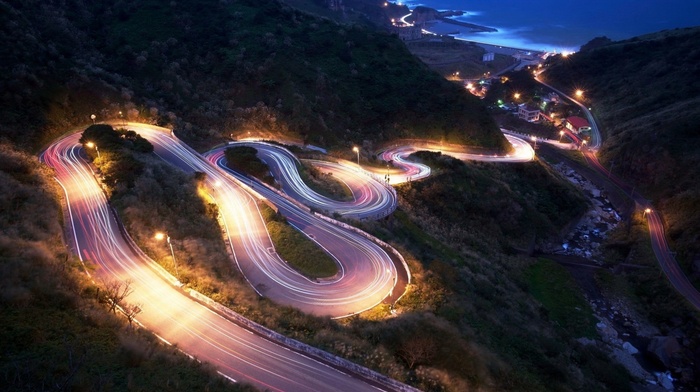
{"x": 471, "y": 277}
{"x": 646, "y": 93}
{"x": 213, "y": 68}
{"x": 216, "y": 69}
{"x": 302, "y": 254}
{"x": 244, "y": 159}
{"x": 58, "y": 334}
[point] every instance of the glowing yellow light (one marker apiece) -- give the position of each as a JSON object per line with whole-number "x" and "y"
{"x": 160, "y": 236}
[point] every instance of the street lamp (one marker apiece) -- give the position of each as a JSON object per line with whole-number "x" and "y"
{"x": 516, "y": 96}
{"x": 357, "y": 150}
{"x": 121, "y": 115}
{"x": 534, "y": 139}
{"x": 646, "y": 211}
{"x": 93, "y": 117}
{"x": 159, "y": 237}
{"x": 93, "y": 145}
{"x": 561, "y": 135}
{"x": 579, "y": 93}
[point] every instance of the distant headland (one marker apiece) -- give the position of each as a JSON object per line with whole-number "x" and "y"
{"x": 423, "y": 14}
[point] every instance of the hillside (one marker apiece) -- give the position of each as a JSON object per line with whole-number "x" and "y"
{"x": 212, "y": 69}
{"x": 646, "y": 93}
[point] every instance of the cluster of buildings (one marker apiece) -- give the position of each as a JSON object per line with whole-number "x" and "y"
{"x": 533, "y": 113}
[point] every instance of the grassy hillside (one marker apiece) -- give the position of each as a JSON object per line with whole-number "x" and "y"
{"x": 214, "y": 68}
{"x": 58, "y": 332}
{"x": 211, "y": 69}
{"x": 646, "y": 93}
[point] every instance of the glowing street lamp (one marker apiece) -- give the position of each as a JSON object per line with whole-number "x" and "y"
{"x": 121, "y": 115}
{"x": 646, "y": 211}
{"x": 579, "y": 93}
{"x": 534, "y": 139}
{"x": 93, "y": 117}
{"x": 516, "y": 96}
{"x": 561, "y": 135}
{"x": 93, "y": 145}
{"x": 357, "y": 150}
{"x": 159, "y": 236}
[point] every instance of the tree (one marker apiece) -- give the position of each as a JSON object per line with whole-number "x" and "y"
{"x": 130, "y": 311}
{"x": 417, "y": 350}
{"x": 116, "y": 292}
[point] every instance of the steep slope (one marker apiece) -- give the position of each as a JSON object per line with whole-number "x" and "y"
{"x": 212, "y": 68}
{"x": 646, "y": 93}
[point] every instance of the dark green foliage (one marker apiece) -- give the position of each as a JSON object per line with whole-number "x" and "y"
{"x": 103, "y": 136}
{"x": 553, "y": 286}
{"x": 209, "y": 65}
{"x": 295, "y": 248}
{"x": 244, "y": 159}
{"x": 120, "y": 167}
{"x": 511, "y": 204}
{"x": 646, "y": 93}
{"x": 55, "y": 335}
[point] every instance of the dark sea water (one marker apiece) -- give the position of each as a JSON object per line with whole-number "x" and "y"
{"x": 564, "y": 25}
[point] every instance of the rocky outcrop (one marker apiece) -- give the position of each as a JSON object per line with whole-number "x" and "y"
{"x": 665, "y": 350}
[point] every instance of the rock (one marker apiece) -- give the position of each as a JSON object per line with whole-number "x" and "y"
{"x": 586, "y": 341}
{"x": 664, "y": 349}
{"x": 607, "y": 333}
{"x": 665, "y": 380}
{"x": 627, "y": 346}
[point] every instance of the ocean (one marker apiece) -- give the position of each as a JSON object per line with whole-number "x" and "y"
{"x": 563, "y": 25}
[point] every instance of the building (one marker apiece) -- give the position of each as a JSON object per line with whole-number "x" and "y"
{"x": 577, "y": 124}
{"x": 528, "y": 112}
{"x": 488, "y": 57}
{"x": 407, "y": 33}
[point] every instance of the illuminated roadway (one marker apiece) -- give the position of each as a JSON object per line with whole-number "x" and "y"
{"x": 657, "y": 233}
{"x": 367, "y": 274}
{"x": 169, "y": 312}
{"x": 408, "y": 170}
{"x": 663, "y": 253}
{"x": 371, "y": 198}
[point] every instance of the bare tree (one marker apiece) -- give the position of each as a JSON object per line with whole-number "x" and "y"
{"x": 417, "y": 350}
{"x": 130, "y": 311}
{"x": 116, "y": 292}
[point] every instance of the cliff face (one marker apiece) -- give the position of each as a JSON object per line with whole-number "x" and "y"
{"x": 646, "y": 93}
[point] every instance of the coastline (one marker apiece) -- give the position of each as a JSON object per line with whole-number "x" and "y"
{"x": 472, "y": 26}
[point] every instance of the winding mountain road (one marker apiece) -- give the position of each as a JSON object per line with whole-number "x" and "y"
{"x": 168, "y": 311}
{"x": 367, "y": 275}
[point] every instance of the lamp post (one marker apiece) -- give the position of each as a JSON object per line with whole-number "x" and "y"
{"x": 561, "y": 135}
{"x": 121, "y": 115}
{"x": 534, "y": 139}
{"x": 357, "y": 150}
{"x": 93, "y": 117}
{"x": 646, "y": 211}
{"x": 93, "y": 145}
{"x": 579, "y": 93}
{"x": 160, "y": 236}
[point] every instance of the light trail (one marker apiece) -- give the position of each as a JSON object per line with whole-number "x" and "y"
{"x": 372, "y": 198}
{"x": 169, "y": 312}
{"x": 410, "y": 171}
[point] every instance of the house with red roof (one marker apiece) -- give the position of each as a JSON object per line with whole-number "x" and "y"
{"x": 577, "y": 124}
